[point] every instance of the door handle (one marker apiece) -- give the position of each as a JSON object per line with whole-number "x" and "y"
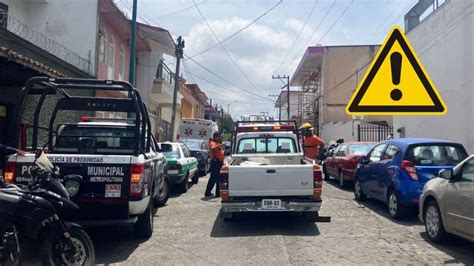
{"x": 271, "y": 171}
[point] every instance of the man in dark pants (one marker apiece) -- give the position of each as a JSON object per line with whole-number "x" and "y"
{"x": 217, "y": 159}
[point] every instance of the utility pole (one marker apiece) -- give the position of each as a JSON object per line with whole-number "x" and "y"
{"x": 287, "y": 85}
{"x": 279, "y": 104}
{"x": 133, "y": 43}
{"x": 179, "y": 54}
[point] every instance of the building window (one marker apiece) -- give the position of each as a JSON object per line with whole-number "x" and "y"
{"x": 111, "y": 52}
{"x": 122, "y": 63}
{"x": 102, "y": 45}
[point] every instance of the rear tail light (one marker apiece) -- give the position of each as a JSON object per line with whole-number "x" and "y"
{"x": 174, "y": 167}
{"x": 224, "y": 182}
{"x": 410, "y": 168}
{"x": 136, "y": 179}
{"x": 318, "y": 182}
{"x": 9, "y": 176}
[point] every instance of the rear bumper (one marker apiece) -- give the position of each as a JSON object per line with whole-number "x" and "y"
{"x": 101, "y": 223}
{"x": 256, "y": 206}
{"x": 176, "y": 179}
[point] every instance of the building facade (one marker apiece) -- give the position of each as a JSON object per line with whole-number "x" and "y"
{"x": 295, "y": 102}
{"x": 327, "y": 77}
{"x": 444, "y": 43}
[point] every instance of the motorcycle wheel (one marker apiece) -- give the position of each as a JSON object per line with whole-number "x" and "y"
{"x": 84, "y": 255}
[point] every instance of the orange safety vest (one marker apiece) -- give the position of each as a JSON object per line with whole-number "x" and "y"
{"x": 216, "y": 150}
{"x": 311, "y": 146}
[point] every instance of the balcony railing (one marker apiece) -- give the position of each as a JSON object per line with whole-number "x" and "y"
{"x": 164, "y": 73}
{"x": 14, "y": 25}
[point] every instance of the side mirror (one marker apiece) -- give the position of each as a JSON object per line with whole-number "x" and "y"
{"x": 165, "y": 147}
{"x": 363, "y": 160}
{"x": 446, "y": 174}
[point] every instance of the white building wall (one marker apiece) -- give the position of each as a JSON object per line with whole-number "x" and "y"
{"x": 344, "y": 130}
{"x": 72, "y": 23}
{"x": 294, "y": 100}
{"x": 444, "y": 44}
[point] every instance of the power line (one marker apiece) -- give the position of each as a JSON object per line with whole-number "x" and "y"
{"x": 178, "y": 11}
{"x": 298, "y": 35}
{"x": 223, "y": 48}
{"x": 312, "y": 35}
{"x": 226, "y": 81}
{"x": 410, "y": 4}
{"x": 237, "y": 32}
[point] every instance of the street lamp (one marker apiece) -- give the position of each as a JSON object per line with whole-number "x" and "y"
{"x": 228, "y": 105}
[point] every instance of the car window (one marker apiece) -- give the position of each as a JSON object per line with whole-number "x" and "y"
{"x": 174, "y": 154}
{"x": 376, "y": 153}
{"x": 267, "y": 145}
{"x": 467, "y": 174}
{"x": 391, "y": 152}
{"x": 342, "y": 151}
{"x": 360, "y": 148}
{"x": 186, "y": 151}
{"x": 435, "y": 154}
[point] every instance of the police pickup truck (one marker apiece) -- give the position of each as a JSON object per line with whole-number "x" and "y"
{"x": 112, "y": 168}
{"x": 268, "y": 172}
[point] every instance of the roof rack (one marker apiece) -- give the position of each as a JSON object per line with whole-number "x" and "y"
{"x": 45, "y": 86}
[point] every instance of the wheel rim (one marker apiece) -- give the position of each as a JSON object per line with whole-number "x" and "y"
{"x": 432, "y": 221}
{"x": 357, "y": 189}
{"x": 79, "y": 257}
{"x": 393, "y": 204}
{"x": 163, "y": 191}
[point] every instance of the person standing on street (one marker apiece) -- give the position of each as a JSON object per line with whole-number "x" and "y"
{"x": 217, "y": 159}
{"x": 312, "y": 144}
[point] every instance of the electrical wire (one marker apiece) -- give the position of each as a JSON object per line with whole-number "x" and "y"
{"x": 312, "y": 35}
{"x": 237, "y": 32}
{"x": 178, "y": 11}
{"x": 298, "y": 35}
{"x": 223, "y": 47}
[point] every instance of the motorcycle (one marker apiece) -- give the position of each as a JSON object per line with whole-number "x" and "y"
{"x": 35, "y": 211}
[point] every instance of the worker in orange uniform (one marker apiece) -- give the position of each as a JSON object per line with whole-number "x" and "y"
{"x": 217, "y": 159}
{"x": 312, "y": 144}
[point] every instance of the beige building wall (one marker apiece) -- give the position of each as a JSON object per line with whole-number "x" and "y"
{"x": 343, "y": 68}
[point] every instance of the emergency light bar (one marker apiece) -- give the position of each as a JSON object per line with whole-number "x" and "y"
{"x": 86, "y": 118}
{"x": 256, "y": 126}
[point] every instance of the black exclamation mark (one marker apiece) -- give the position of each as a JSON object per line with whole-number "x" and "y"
{"x": 396, "y": 64}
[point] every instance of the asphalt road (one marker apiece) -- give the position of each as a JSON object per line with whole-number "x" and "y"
{"x": 188, "y": 231}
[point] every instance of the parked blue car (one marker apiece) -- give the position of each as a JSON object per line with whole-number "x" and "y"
{"x": 396, "y": 170}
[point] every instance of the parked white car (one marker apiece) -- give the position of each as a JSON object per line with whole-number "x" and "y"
{"x": 447, "y": 203}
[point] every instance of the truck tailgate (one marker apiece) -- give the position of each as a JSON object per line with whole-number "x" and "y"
{"x": 99, "y": 183}
{"x": 265, "y": 180}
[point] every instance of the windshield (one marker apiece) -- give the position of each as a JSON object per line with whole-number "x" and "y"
{"x": 266, "y": 145}
{"x": 174, "y": 154}
{"x": 436, "y": 155}
{"x": 91, "y": 140}
{"x": 362, "y": 148}
{"x": 193, "y": 144}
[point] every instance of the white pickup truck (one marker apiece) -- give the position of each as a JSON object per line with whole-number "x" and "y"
{"x": 268, "y": 172}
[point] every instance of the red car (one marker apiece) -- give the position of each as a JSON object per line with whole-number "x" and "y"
{"x": 343, "y": 161}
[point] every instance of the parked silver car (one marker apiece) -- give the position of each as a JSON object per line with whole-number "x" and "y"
{"x": 447, "y": 203}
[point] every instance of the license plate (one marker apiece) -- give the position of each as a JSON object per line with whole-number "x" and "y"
{"x": 113, "y": 190}
{"x": 271, "y": 204}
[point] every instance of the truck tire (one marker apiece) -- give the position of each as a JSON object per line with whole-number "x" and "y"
{"x": 163, "y": 195}
{"x": 359, "y": 194}
{"x": 195, "y": 178}
{"x": 143, "y": 228}
{"x": 311, "y": 216}
{"x": 183, "y": 186}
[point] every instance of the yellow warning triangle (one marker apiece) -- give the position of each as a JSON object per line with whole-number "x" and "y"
{"x": 396, "y": 83}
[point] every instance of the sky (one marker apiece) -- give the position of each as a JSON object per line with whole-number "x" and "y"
{"x": 239, "y": 69}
